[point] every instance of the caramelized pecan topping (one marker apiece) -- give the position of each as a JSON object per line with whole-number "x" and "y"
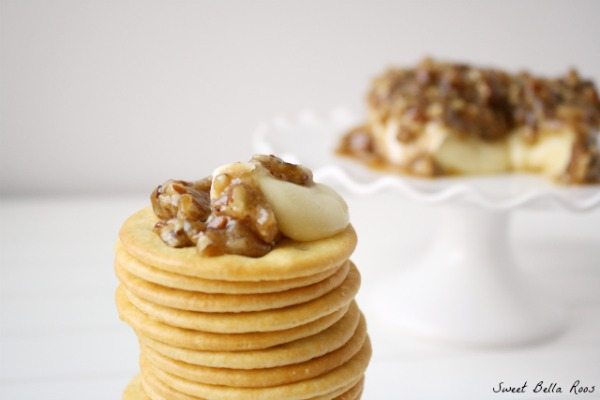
{"x": 236, "y": 220}
{"x": 285, "y": 171}
{"x": 359, "y": 142}
{"x": 487, "y": 103}
{"x": 481, "y": 102}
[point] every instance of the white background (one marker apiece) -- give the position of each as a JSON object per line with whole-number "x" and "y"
{"x": 100, "y": 98}
{"x": 107, "y": 96}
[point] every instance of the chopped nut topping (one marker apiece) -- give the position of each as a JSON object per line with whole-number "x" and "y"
{"x": 237, "y": 220}
{"x": 182, "y": 207}
{"x": 484, "y": 102}
{"x": 285, "y": 171}
{"x": 359, "y": 142}
{"x": 480, "y": 102}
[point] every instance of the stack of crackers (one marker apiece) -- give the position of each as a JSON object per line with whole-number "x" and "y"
{"x": 282, "y": 326}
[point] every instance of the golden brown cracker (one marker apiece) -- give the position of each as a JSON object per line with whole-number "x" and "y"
{"x": 217, "y": 302}
{"x": 160, "y": 391}
{"x": 198, "y": 340}
{"x": 353, "y": 393}
{"x": 184, "y": 282}
{"x": 261, "y": 377}
{"x": 289, "y": 259}
{"x": 294, "y": 352}
{"x": 134, "y": 390}
{"x": 257, "y": 321}
{"x": 349, "y": 373}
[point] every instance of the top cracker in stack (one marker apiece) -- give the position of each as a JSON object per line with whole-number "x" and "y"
{"x": 239, "y": 286}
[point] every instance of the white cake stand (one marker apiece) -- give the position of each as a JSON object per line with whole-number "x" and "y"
{"x": 466, "y": 288}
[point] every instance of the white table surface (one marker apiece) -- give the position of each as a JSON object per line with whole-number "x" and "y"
{"x": 60, "y": 337}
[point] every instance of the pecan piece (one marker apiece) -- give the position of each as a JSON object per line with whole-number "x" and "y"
{"x": 285, "y": 171}
{"x": 234, "y": 238}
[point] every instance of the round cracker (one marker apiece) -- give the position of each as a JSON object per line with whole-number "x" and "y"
{"x": 160, "y": 391}
{"x": 350, "y": 372}
{"x": 138, "y": 387}
{"x": 216, "y": 302}
{"x": 289, "y": 259}
{"x": 134, "y": 390}
{"x": 261, "y": 377}
{"x": 197, "y": 340}
{"x": 184, "y": 282}
{"x": 355, "y": 392}
{"x": 257, "y": 321}
{"x": 294, "y": 352}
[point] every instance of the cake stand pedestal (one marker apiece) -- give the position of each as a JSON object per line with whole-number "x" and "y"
{"x": 466, "y": 287}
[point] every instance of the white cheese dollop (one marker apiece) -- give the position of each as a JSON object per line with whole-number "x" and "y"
{"x": 304, "y": 213}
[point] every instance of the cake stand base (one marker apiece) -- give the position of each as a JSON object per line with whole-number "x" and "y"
{"x": 467, "y": 287}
